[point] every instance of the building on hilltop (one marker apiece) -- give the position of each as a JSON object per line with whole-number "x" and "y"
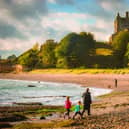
{"x": 120, "y": 23}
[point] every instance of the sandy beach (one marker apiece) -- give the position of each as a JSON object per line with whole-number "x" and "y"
{"x": 110, "y": 112}
{"x": 90, "y": 80}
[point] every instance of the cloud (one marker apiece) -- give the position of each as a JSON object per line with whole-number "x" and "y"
{"x": 62, "y": 2}
{"x": 19, "y": 20}
{"x": 103, "y": 9}
{"x": 101, "y": 31}
{"x": 114, "y": 5}
{"x": 24, "y": 8}
{"x": 9, "y": 31}
{"x": 64, "y": 21}
{"x": 14, "y": 44}
{"x": 60, "y": 24}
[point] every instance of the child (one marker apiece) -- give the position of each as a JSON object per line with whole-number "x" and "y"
{"x": 77, "y": 110}
{"x": 67, "y": 106}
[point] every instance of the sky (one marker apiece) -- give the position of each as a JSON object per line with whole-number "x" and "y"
{"x": 25, "y": 22}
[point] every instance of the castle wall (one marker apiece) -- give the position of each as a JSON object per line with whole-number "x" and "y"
{"x": 124, "y": 24}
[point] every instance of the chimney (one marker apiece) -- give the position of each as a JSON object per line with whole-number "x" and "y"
{"x": 127, "y": 14}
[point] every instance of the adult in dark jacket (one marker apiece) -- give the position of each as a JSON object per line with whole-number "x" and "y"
{"x": 86, "y": 101}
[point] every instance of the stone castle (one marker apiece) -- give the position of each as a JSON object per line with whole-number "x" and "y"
{"x": 120, "y": 23}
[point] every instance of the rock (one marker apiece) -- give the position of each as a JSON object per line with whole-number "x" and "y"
{"x": 50, "y": 114}
{"x": 28, "y": 104}
{"x": 5, "y": 125}
{"x": 12, "y": 118}
{"x": 31, "y": 86}
{"x": 42, "y": 118}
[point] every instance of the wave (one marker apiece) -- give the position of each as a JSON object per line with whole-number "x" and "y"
{"x": 44, "y": 92}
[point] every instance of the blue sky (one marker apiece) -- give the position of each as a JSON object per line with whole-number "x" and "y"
{"x": 25, "y": 22}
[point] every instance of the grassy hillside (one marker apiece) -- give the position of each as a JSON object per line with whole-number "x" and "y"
{"x": 103, "y": 49}
{"x": 103, "y": 56}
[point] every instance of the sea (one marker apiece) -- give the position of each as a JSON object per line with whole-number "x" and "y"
{"x": 47, "y": 93}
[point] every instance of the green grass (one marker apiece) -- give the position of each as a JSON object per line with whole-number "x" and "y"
{"x": 80, "y": 71}
{"x": 50, "y": 110}
{"x": 103, "y": 51}
{"x": 52, "y": 124}
{"x": 44, "y": 111}
{"x": 114, "y": 94}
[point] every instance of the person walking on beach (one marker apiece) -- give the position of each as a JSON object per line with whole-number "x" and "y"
{"x": 77, "y": 110}
{"x": 86, "y": 102}
{"x": 116, "y": 83}
{"x": 68, "y": 105}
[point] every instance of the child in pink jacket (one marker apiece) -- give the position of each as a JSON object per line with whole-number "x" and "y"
{"x": 68, "y": 105}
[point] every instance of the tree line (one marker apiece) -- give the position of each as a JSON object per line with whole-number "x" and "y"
{"x": 74, "y": 51}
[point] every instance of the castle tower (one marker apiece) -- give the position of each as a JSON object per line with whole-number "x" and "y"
{"x": 117, "y": 23}
{"x": 121, "y": 23}
{"x": 127, "y": 14}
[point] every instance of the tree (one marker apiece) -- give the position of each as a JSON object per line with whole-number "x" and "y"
{"x": 47, "y": 53}
{"x": 126, "y": 56}
{"x": 119, "y": 43}
{"x": 73, "y": 50}
{"x": 36, "y": 47}
{"x": 29, "y": 58}
{"x": 89, "y": 39}
{"x": 12, "y": 57}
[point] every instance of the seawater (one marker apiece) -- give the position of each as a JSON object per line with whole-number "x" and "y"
{"x": 48, "y": 93}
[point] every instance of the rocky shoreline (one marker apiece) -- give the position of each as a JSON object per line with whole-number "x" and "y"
{"x": 110, "y": 112}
